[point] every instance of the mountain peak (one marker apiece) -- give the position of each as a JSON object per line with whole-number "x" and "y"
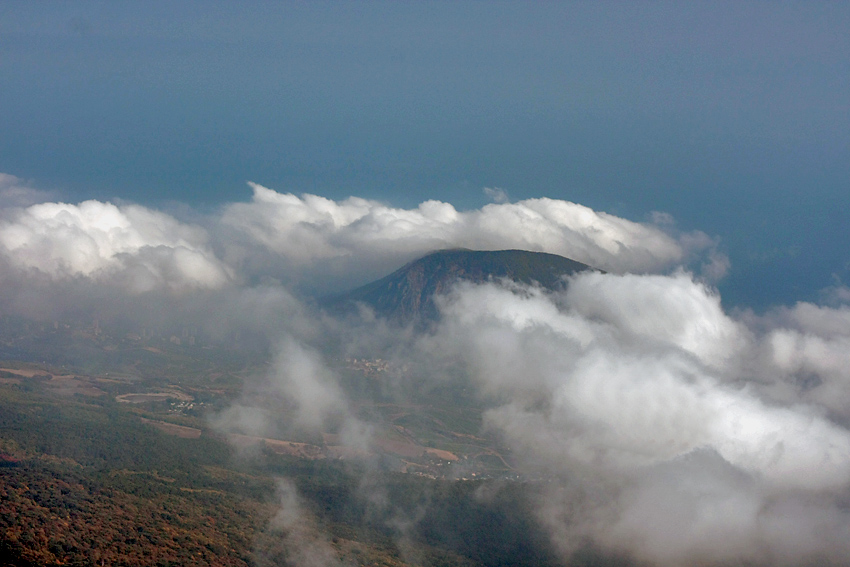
{"x": 407, "y": 294}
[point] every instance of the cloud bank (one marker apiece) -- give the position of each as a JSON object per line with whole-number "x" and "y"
{"x": 304, "y": 229}
{"x": 666, "y": 429}
{"x": 141, "y": 248}
{"x": 308, "y": 243}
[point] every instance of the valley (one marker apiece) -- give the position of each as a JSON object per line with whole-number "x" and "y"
{"x": 120, "y": 461}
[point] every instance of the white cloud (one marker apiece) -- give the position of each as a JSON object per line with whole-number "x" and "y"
{"x": 142, "y": 248}
{"x": 632, "y": 388}
{"x": 303, "y": 229}
{"x": 311, "y": 242}
{"x": 806, "y": 353}
{"x": 660, "y": 309}
{"x": 699, "y": 510}
{"x": 716, "y": 267}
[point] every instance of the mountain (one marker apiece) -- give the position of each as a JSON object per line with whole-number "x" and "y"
{"x": 408, "y": 293}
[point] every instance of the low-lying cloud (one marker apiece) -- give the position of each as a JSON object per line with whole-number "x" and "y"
{"x": 666, "y": 429}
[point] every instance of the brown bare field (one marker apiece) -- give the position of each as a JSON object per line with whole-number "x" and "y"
{"x": 439, "y": 453}
{"x": 67, "y": 384}
{"x": 402, "y": 448}
{"x": 302, "y": 450}
{"x": 243, "y": 440}
{"x": 152, "y": 397}
{"x": 343, "y": 452}
{"x": 173, "y": 429}
{"x": 27, "y": 372}
{"x": 70, "y": 385}
{"x": 400, "y": 441}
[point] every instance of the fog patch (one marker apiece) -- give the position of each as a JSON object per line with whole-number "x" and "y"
{"x": 301, "y": 542}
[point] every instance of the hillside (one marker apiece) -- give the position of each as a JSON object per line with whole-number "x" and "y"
{"x": 407, "y": 294}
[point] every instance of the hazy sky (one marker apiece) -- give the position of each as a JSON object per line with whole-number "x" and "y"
{"x": 732, "y": 117}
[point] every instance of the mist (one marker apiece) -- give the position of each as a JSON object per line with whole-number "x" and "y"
{"x": 659, "y": 426}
